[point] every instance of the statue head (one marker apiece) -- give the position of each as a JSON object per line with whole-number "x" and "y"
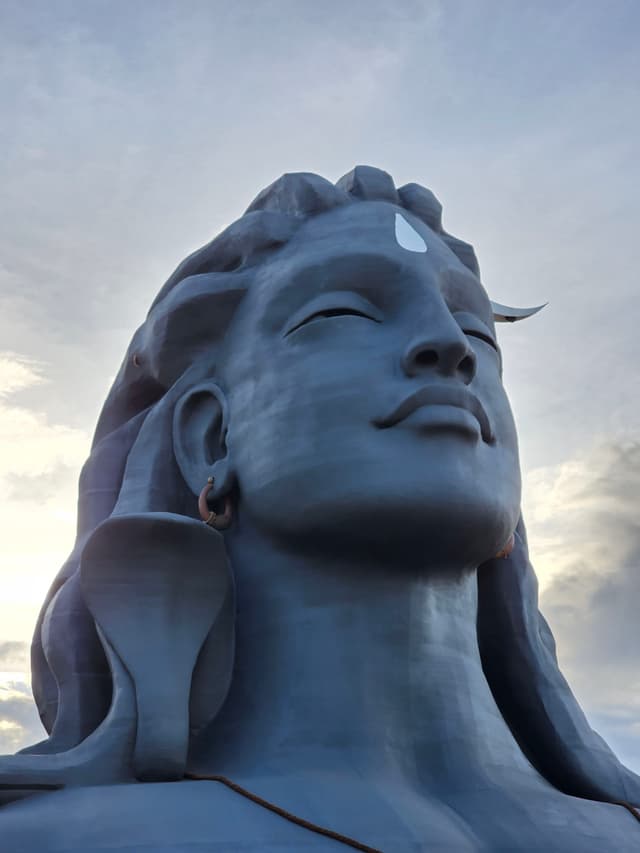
{"x": 358, "y": 380}
{"x": 331, "y": 361}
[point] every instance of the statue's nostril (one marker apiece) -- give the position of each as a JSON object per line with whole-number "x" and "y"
{"x": 467, "y": 366}
{"x": 426, "y": 358}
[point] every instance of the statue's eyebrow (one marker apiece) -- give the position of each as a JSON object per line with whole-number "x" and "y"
{"x": 468, "y": 293}
{"x": 360, "y": 272}
{"x": 496, "y": 313}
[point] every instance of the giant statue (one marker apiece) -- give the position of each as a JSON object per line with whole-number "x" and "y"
{"x": 300, "y": 614}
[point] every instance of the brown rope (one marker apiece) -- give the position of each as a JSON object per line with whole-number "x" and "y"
{"x": 299, "y": 821}
{"x": 329, "y": 833}
{"x": 306, "y": 824}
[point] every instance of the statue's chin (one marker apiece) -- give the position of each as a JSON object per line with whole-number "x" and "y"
{"x": 457, "y": 528}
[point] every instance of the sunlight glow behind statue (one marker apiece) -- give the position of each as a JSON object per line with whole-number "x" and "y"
{"x": 349, "y": 646}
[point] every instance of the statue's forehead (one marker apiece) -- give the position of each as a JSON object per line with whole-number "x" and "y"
{"x": 363, "y": 222}
{"x": 357, "y": 248}
{"x": 368, "y": 229}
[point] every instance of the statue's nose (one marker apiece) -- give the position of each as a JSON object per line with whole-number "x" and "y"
{"x": 444, "y": 350}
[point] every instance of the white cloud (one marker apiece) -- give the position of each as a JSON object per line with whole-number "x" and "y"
{"x": 14, "y": 655}
{"x": 39, "y": 462}
{"x": 584, "y": 533}
{"x": 38, "y": 466}
{"x": 583, "y": 511}
{"x": 17, "y": 373}
{"x": 19, "y": 723}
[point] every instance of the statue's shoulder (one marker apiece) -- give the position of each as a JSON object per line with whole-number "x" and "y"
{"x": 161, "y": 817}
{"x": 208, "y": 817}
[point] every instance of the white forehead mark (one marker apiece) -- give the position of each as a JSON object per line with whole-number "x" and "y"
{"x": 408, "y": 237}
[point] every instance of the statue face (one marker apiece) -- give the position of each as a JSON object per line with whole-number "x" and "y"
{"x": 366, "y": 407}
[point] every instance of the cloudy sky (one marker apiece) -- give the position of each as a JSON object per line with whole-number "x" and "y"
{"x": 132, "y": 132}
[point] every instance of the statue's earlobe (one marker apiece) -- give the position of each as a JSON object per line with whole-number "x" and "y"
{"x": 200, "y": 424}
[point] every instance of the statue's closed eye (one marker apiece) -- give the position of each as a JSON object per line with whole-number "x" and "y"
{"x": 473, "y": 333}
{"x": 473, "y": 327}
{"x": 334, "y": 304}
{"x": 331, "y": 312}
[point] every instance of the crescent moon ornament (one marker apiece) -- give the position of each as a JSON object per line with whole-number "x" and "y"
{"x": 506, "y": 314}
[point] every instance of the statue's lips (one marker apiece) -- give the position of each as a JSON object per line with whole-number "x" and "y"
{"x": 441, "y": 395}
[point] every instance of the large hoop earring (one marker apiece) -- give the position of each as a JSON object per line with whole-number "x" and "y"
{"x": 220, "y": 521}
{"x": 508, "y": 548}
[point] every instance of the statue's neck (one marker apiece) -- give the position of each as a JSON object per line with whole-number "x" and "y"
{"x": 347, "y": 669}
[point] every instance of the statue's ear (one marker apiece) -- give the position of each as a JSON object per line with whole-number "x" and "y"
{"x": 199, "y": 438}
